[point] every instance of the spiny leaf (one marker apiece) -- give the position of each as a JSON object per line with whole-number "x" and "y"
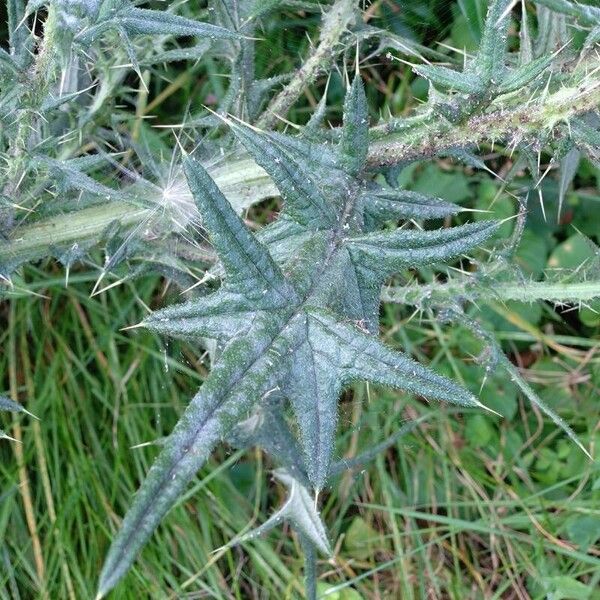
{"x": 384, "y": 205}
{"x": 524, "y": 75}
{"x": 359, "y": 355}
{"x": 292, "y": 164}
{"x": 313, "y": 388}
{"x": 247, "y": 365}
{"x": 387, "y": 253}
{"x": 268, "y": 429}
{"x": 10, "y": 405}
{"x": 586, "y": 13}
{"x": 248, "y": 264}
{"x": 17, "y": 29}
{"x": 489, "y": 62}
{"x": 143, "y": 21}
{"x": 137, "y": 21}
{"x": 568, "y": 169}
{"x": 7, "y": 63}
{"x": 286, "y": 336}
{"x": 355, "y": 133}
{"x": 299, "y": 509}
{"x": 593, "y": 38}
{"x": 221, "y": 316}
{"x": 468, "y": 83}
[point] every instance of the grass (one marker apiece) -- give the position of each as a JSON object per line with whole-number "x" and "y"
{"x": 461, "y": 507}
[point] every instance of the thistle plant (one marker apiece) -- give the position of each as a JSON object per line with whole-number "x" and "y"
{"x": 290, "y": 312}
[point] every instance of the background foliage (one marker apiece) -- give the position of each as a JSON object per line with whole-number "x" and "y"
{"x": 465, "y": 505}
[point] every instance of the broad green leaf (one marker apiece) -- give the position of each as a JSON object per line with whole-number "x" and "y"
{"x": 362, "y": 540}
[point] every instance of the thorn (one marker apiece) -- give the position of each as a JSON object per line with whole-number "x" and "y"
{"x": 489, "y": 409}
{"x": 476, "y": 210}
{"x": 136, "y": 326}
{"x": 24, "y": 410}
{"x": 502, "y": 221}
{"x": 542, "y": 204}
{"x": 97, "y": 284}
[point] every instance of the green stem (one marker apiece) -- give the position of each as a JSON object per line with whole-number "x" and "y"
{"x": 310, "y": 569}
{"x": 244, "y": 183}
{"x": 40, "y": 78}
{"x": 337, "y": 20}
{"x": 530, "y": 291}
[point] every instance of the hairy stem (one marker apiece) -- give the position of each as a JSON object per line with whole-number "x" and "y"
{"x": 245, "y": 183}
{"x": 530, "y": 291}
{"x": 310, "y": 569}
{"x": 510, "y": 126}
{"x": 41, "y": 77}
{"x": 335, "y": 22}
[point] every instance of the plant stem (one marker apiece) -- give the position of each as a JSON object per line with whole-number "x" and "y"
{"x": 244, "y": 183}
{"x": 507, "y": 125}
{"x": 335, "y": 22}
{"x": 529, "y": 291}
{"x": 310, "y": 569}
{"x": 41, "y": 77}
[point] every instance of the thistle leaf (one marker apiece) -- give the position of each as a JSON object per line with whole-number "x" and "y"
{"x": 390, "y": 252}
{"x": 7, "y": 64}
{"x": 585, "y": 13}
{"x": 567, "y": 171}
{"x": 221, "y": 316}
{"x": 283, "y": 312}
{"x": 248, "y": 265}
{"x": 138, "y": 21}
{"x": 299, "y": 509}
{"x": 17, "y": 30}
{"x": 10, "y": 405}
{"x": 489, "y": 62}
{"x": 355, "y": 133}
{"x": 384, "y": 205}
{"x": 359, "y": 355}
{"x": 524, "y": 75}
{"x": 313, "y": 389}
{"x": 268, "y": 429}
{"x": 143, "y": 21}
{"x": 445, "y": 78}
{"x": 293, "y": 165}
